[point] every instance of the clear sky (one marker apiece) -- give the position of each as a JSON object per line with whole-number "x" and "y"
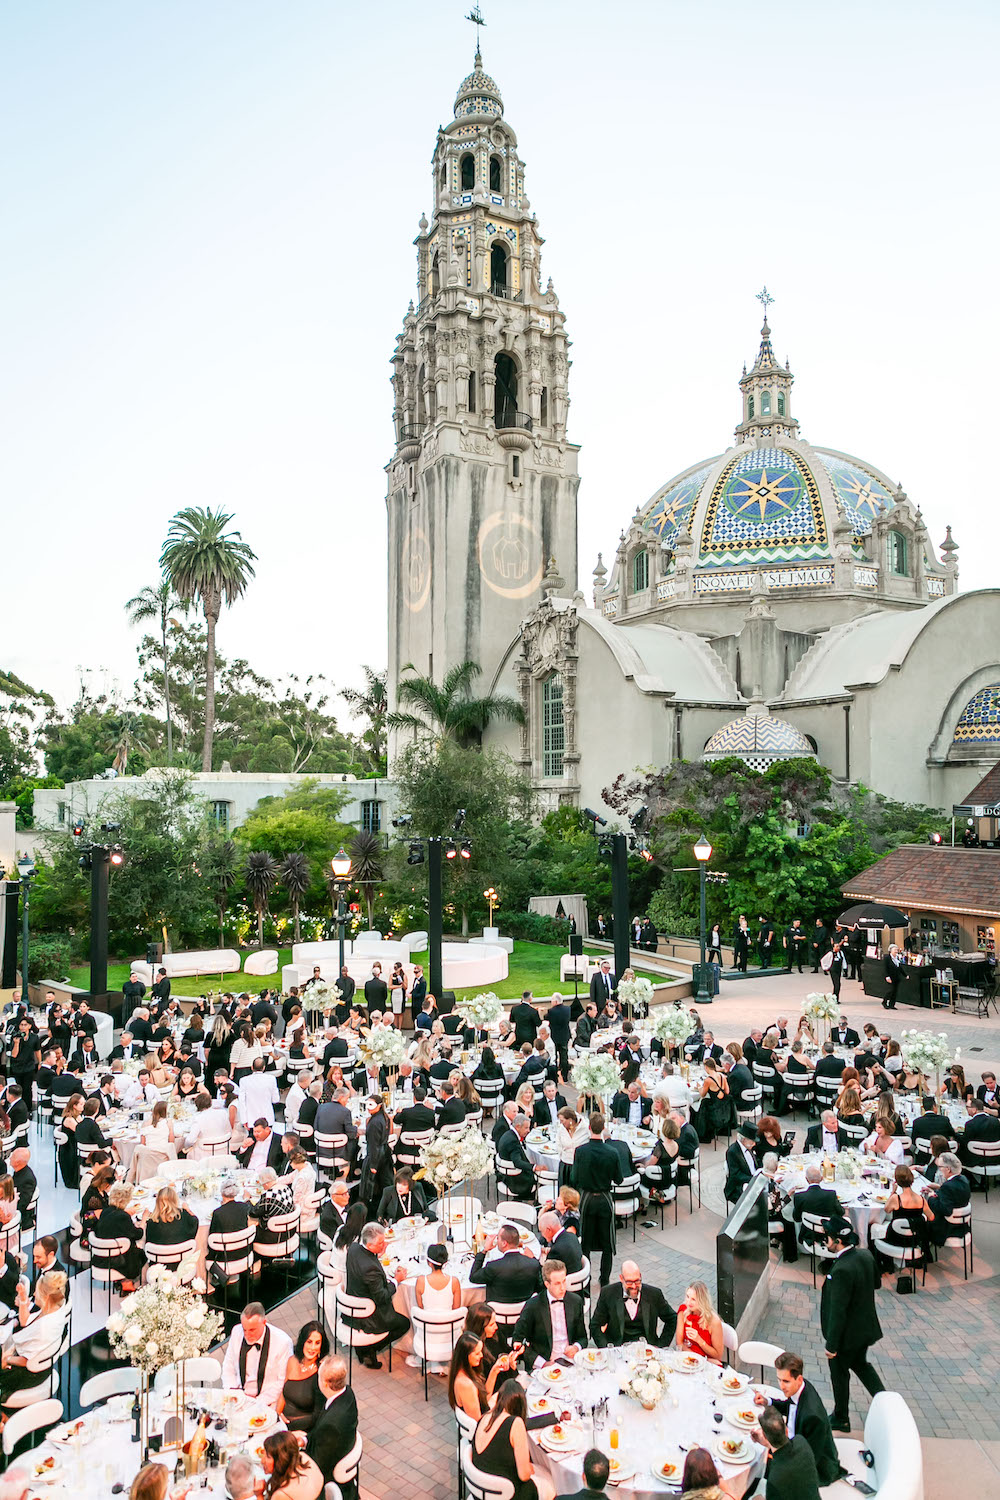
{"x": 206, "y": 253}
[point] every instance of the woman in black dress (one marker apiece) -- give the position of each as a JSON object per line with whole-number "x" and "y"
{"x": 116, "y": 1223}
{"x": 376, "y": 1171}
{"x": 218, "y": 1048}
{"x": 95, "y": 1200}
{"x": 903, "y": 1203}
{"x": 301, "y": 1399}
{"x": 24, "y": 1058}
{"x": 487, "y": 1067}
{"x": 187, "y": 1084}
{"x": 770, "y": 1138}
{"x": 169, "y": 1223}
{"x": 500, "y": 1445}
{"x": 716, "y": 1111}
{"x": 69, "y": 1161}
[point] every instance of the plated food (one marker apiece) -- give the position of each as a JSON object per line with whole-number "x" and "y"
{"x": 743, "y": 1416}
{"x": 733, "y": 1383}
{"x": 619, "y": 1470}
{"x": 553, "y": 1374}
{"x": 668, "y": 1469}
{"x": 731, "y": 1450}
{"x": 592, "y": 1359}
{"x": 69, "y": 1432}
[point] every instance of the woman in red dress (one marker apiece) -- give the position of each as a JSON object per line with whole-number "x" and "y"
{"x": 699, "y": 1327}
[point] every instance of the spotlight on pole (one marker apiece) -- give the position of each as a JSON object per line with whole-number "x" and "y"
{"x": 117, "y": 855}
{"x": 466, "y": 850}
{"x": 416, "y": 853}
{"x": 449, "y": 849}
{"x": 596, "y": 819}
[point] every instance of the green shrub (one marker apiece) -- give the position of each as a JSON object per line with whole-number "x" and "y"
{"x": 49, "y": 957}
{"x": 667, "y": 917}
{"x": 533, "y": 927}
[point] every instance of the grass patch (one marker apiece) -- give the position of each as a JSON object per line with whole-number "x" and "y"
{"x": 533, "y": 966}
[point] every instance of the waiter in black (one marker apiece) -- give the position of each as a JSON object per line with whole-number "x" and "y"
{"x": 596, "y": 1169}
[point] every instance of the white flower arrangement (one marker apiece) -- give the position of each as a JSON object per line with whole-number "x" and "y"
{"x": 928, "y": 1051}
{"x": 673, "y": 1023}
{"x": 383, "y": 1046}
{"x": 850, "y": 1165}
{"x": 317, "y": 995}
{"x": 637, "y": 993}
{"x": 648, "y": 1383}
{"x": 450, "y": 1160}
{"x": 164, "y": 1321}
{"x": 481, "y": 1010}
{"x": 820, "y": 1007}
{"x": 596, "y": 1074}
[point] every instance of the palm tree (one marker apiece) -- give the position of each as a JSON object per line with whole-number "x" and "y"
{"x": 371, "y": 703}
{"x": 221, "y": 869}
{"x": 448, "y": 712}
{"x": 261, "y": 875}
{"x": 366, "y": 868}
{"x": 127, "y": 734}
{"x": 294, "y": 873}
{"x": 204, "y": 561}
{"x": 155, "y": 603}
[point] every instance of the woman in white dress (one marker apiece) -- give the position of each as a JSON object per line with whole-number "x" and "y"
{"x": 571, "y": 1132}
{"x": 437, "y": 1291}
{"x": 397, "y": 993}
{"x": 302, "y": 1177}
{"x": 156, "y": 1145}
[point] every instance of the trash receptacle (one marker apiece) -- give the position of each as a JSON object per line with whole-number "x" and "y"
{"x": 704, "y": 974}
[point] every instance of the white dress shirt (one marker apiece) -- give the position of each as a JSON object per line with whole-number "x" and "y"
{"x": 674, "y": 1090}
{"x": 294, "y": 1100}
{"x": 258, "y": 1096}
{"x": 830, "y": 1141}
{"x": 264, "y": 1388}
{"x": 560, "y": 1339}
{"x": 635, "y": 1111}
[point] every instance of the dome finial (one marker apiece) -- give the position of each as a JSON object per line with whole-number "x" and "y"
{"x": 478, "y": 20}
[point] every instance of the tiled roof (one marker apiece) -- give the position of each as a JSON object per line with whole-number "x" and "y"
{"x": 931, "y": 877}
{"x": 988, "y": 790}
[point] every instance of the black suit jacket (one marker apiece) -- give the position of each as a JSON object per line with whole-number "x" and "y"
{"x": 10, "y": 1275}
{"x": 816, "y": 1200}
{"x": 791, "y": 1474}
{"x": 366, "y": 1278}
{"x": 559, "y": 1017}
{"x": 512, "y": 1277}
{"x": 541, "y": 1114}
{"x": 601, "y": 988}
{"x": 740, "y": 1079}
{"x": 335, "y": 1119}
{"x": 620, "y": 1107}
{"x": 525, "y": 1020}
{"x": 850, "y": 1037}
{"x": 738, "y": 1173}
{"x": 511, "y": 1150}
{"x": 955, "y": 1193}
{"x": 814, "y": 1138}
{"x": 585, "y": 1028}
{"x": 332, "y": 1437}
{"x": 981, "y": 1127}
{"x": 450, "y": 1112}
{"x": 25, "y": 1183}
{"x": 847, "y": 1303}
{"x": 229, "y": 1217}
{"x": 415, "y": 1117}
{"x": 928, "y": 1124}
{"x": 275, "y": 1155}
{"x": 658, "y": 1318}
{"x": 534, "y": 1326}
{"x": 596, "y": 1167}
{"x": 829, "y": 1067}
{"x": 566, "y": 1247}
{"x": 813, "y": 1424}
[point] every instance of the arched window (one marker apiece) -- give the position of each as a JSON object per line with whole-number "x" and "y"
{"x": 472, "y": 391}
{"x": 495, "y": 171}
{"x": 781, "y": 404}
{"x": 505, "y": 397}
{"x": 435, "y": 276}
{"x": 750, "y": 408}
{"x": 444, "y": 177}
{"x": 421, "y": 406}
{"x": 543, "y": 409}
{"x": 553, "y": 726}
{"x": 468, "y": 172}
{"x": 640, "y": 572}
{"x": 498, "y": 270}
{"x": 765, "y": 403}
{"x": 898, "y": 559}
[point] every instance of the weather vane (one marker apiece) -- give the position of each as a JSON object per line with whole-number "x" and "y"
{"x": 477, "y": 18}
{"x": 765, "y": 299}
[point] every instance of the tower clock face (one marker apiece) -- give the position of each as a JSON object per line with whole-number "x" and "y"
{"x": 510, "y": 555}
{"x": 415, "y": 570}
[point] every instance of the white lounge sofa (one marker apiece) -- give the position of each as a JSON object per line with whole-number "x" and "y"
{"x": 190, "y": 965}
{"x": 264, "y": 962}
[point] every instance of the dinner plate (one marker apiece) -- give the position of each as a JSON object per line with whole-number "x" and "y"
{"x": 538, "y": 1405}
{"x": 70, "y": 1433}
{"x": 744, "y": 1417}
{"x": 553, "y": 1375}
{"x": 741, "y": 1456}
{"x": 590, "y": 1359}
{"x": 619, "y": 1470}
{"x": 45, "y": 1470}
{"x": 686, "y": 1362}
{"x": 732, "y": 1383}
{"x": 670, "y": 1470}
{"x": 565, "y": 1437}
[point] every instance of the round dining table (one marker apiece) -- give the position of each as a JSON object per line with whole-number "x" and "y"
{"x": 541, "y": 1150}
{"x": 648, "y": 1447}
{"x": 199, "y": 1187}
{"x": 863, "y": 1192}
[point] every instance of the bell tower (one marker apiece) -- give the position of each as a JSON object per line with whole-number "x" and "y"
{"x": 767, "y": 392}
{"x": 482, "y": 487}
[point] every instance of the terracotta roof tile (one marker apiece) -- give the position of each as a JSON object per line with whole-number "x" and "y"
{"x": 987, "y": 791}
{"x": 932, "y": 877}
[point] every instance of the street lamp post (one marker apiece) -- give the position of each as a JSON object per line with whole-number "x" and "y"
{"x": 340, "y": 864}
{"x": 25, "y": 871}
{"x": 702, "y": 853}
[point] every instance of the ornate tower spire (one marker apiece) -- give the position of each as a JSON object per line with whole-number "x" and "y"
{"x": 767, "y": 392}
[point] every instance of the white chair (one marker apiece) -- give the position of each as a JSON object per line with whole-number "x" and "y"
{"x": 627, "y": 1200}
{"x": 799, "y": 1089}
{"x": 960, "y": 1237}
{"x": 263, "y": 962}
{"x": 579, "y": 1282}
{"x": 452, "y": 1130}
{"x": 983, "y": 1162}
{"x": 464, "y": 1428}
{"x": 42, "y": 1414}
{"x": 232, "y": 1252}
{"x": 10, "y": 1236}
{"x": 758, "y": 1352}
{"x": 475, "y": 1117}
{"x": 170, "y": 1255}
{"x": 490, "y": 1091}
{"x": 906, "y": 1254}
{"x": 750, "y": 1106}
{"x": 520, "y": 1213}
{"x": 345, "y": 1306}
{"x": 693, "y": 1165}
{"x": 103, "y": 1254}
{"x": 328, "y": 1277}
{"x": 507, "y": 1314}
{"x": 435, "y": 1333}
{"x": 766, "y": 1078}
{"x": 203, "y": 1371}
{"x": 347, "y": 1469}
{"x": 112, "y": 1383}
{"x": 309, "y": 1211}
{"x": 891, "y": 1437}
{"x": 812, "y": 1238}
{"x": 855, "y": 1132}
{"x": 410, "y": 1145}
{"x": 506, "y": 1172}
{"x": 480, "y": 1486}
{"x": 285, "y": 1242}
{"x": 652, "y": 1177}
{"x": 730, "y": 1340}
{"x": 826, "y": 1090}
{"x": 213, "y": 1145}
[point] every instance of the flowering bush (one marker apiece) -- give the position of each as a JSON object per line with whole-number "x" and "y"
{"x": 673, "y": 1023}
{"x": 821, "y": 1007}
{"x": 481, "y": 1010}
{"x": 928, "y": 1051}
{"x": 647, "y": 1383}
{"x": 384, "y": 1046}
{"x": 465, "y": 1156}
{"x": 164, "y": 1321}
{"x": 638, "y": 993}
{"x": 598, "y": 1074}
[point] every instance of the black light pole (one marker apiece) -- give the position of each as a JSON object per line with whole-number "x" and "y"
{"x": 702, "y": 853}
{"x": 340, "y": 864}
{"x": 100, "y": 861}
{"x": 620, "y": 900}
{"x": 435, "y": 916}
{"x": 25, "y": 871}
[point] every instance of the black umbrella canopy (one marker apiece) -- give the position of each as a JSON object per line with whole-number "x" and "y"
{"x": 874, "y": 914}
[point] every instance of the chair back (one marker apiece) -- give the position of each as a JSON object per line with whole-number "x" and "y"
{"x": 346, "y": 1469}
{"x": 31, "y": 1419}
{"x": 110, "y": 1383}
{"x": 10, "y": 1235}
{"x": 855, "y": 1132}
{"x": 891, "y": 1437}
{"x": 521, "y": 1213}
{"x": 507, "y": 1313}
{"x": 482, "y": 1486}
{"x": 285, "y": 1229}
{"x": 102, "y": 1253}
{"x": 234, "y": 1250}
{"x": 814, "y": 1235}
{"x": 170, "y": 1255}
{"x": 436, "y": 1330}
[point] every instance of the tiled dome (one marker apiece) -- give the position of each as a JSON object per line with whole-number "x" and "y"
{"x": 478, "y": 94}
{"x": 758, "y": 739}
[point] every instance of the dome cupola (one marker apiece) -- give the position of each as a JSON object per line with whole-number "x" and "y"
{"x": 478, "y": 95}
{"x": 759, "y": 739}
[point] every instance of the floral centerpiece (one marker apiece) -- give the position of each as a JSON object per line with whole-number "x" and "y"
{"x": 673, "y": 1024}
{"x": 648, "y": 1383}
{"x": 596, "y": 1075}
{"x": 164, "y": 1322}
{"x": 458, "y": 1160}
{"x": 384, "y": 1046}
{"x": 928, "y": 1052}
{"x": 317, "y": 995}
{"x": 821, "y": 1009}
{"x": 481, "y": 1011}
{"x": 637, "y": 994}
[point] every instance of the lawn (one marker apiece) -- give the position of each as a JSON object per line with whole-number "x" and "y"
{"x": 533, "y": 966}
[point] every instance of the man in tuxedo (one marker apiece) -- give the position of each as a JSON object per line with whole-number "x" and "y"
{"x": 257, "y": 1357}
{"x": 817, "y": 943}
{"x": 127, "y": 1049}
{"x": 160, "y": 992}
{"x": 17, "y": 1110}
{"x": 25, "y": 1184}
{"x": 510, "y": 1276}
{"x": 418, "y": 1115}
{"x": 596, "y": 1169}
{"x": 706, "y": 1046}
{"x": 805, "y": 1416}
{"x": 630, "y": 1312}
{"x": 978, "y": 1127}
{"x": 765, "y": 942}
{"x": 450, "y": 1111}
{"x": 739, "y": 1078}
{"x": 505, "y": 1121}
{"x": 834, "y": 965}
{"x": 560, "y": 1244}
{"x": 346, "y": 986}
{"x": 230, "y": 1216}
{"x": 525, "y": 1020}
{"x": 631, "y": 1106}
{"x": 366, "y": 1278}
{"x": 741, "y": 1163}
{"x": 603, "y": 985}
{"x": 586, "y": 1026}
{"x": 829, "y": 1066}
{"x": 334, "y": 1117}
{"x": 988, "y": 1092}
{"x": 791, "y": 1472}
{"x": 814, "y": 1198}
{"x": 893, "y": 970}
{"x": 418, "y": 994}
{"x": 334, "y": 1210}
{"x": 844, "y": 1035}
{"x": 559, "y": 1018}
{"x": 552, "y": 1324}
{"x": 751, "y": 1043}
{"x": 827, "y": 1135}
{"x": 258, "y": 1093}
{"x": 335, "y": 1430}
{"x": 263, "y": 1149}
{"x": 929, "y": 1122}
{"x": 950, "y": 1191}
{"x": 848, "y": 1318}
{"x": 45, "y": 1257}
{"x": 596, "y": 1472}
{"x": 336, "y": 1048}
{"x": 511, "y": 1150}
{"x": 547, "y": 1108}
{"x": 535, "y": 1064}
{"x": 85, "y": 1058}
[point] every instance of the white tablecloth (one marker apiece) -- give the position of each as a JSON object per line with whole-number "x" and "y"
{"x": 863, "y": 1201}
{"x": 541, "y": 1151}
